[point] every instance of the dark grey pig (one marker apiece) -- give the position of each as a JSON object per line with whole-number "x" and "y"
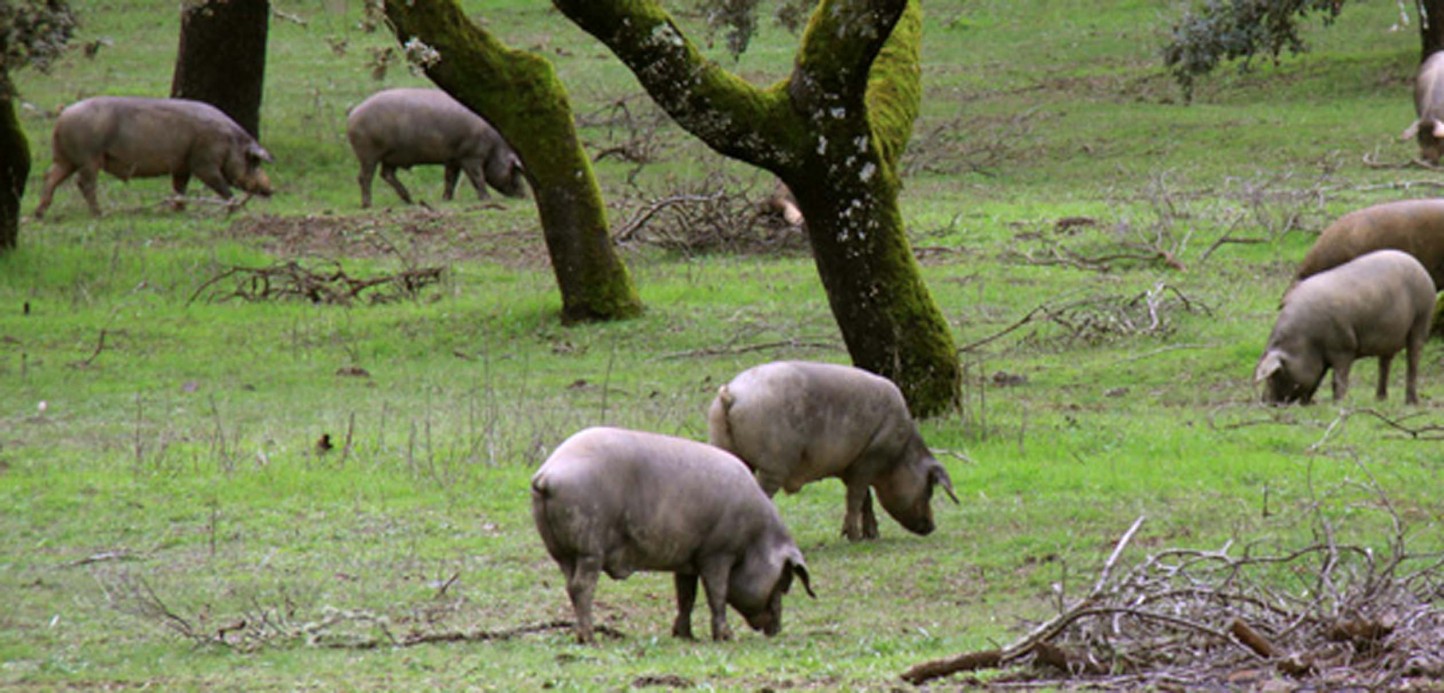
{"x": 1429, "y": 105}
{"x": 621, "y": 501}
{"x": 795, "y": 422}
{"x": 132, "y": 137}
{"x": 1374, "y": 305}
{"x": 1413, "y": 226}
{"x": 401, "y": 128}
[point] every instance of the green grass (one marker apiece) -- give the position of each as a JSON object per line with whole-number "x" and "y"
{"x": 185, "y": 448}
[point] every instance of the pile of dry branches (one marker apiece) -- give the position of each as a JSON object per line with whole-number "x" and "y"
{"x": 1327, "y": 615}
{"x": 1098, "y": 319}
{"x": 718, "y": 214}
{"x": 332, "y": 286}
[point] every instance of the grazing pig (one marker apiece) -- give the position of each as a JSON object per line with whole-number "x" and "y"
{"x": 401, "y": 128}
{"x": 1429, "y": 105}
{"x": 1374, "y": 305}
{"x": 1413, "y": 226}
{"x": 620, "y": 501}
{"x": 794, "y": 422}
{"x": 131, "y": 137}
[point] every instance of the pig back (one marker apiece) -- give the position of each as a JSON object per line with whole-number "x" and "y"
{"x": 646, "y": 501}
{"x": 797, "y": 422}
{"x": 407, "y": 127}
{"x": 146, "y": 137}
{"x": 1412, "y": 226}
{"x": 1370, "y": 303}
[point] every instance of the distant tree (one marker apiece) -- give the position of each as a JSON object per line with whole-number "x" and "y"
{"x": 32, "y": 33}
{"x": 1220, "y": 30}
{"x": 833, "y": 131}
{"x": 222, "y": 57}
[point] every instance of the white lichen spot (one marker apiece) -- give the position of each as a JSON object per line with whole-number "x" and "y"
{"x": 664, "y": 33}
{"x": 837, "y": 112}
{"x": 822, "y": 144}
{"x": 868, "y": 169}
{"x": 420, "y": 54}
{"x": 861, "y": 142}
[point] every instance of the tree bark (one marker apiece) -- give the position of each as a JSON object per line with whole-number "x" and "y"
{"x": 14, "y": 162}
{"x": 833, "y": 133}
{"x": 519, "y": 94}
{"x": 1431, "y": 27}
{"x": 222, "y": 57}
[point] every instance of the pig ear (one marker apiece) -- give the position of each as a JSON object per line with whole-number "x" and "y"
{"x": 939, "y": 476}
{"x": 256, "y": 152}
{"x": 1410, "y": 131}
{"x": 798, "y": 568}
{"x": 1267, "y": 366}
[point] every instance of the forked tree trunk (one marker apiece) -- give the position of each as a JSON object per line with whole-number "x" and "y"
{"x": 222, "y": 57}
{"x": 833, "y": 132}
{"x": 519, "y": 94}
{"x": 14, "y": 163}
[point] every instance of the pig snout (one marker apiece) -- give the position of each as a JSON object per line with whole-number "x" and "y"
{"x": 257, "y": 182}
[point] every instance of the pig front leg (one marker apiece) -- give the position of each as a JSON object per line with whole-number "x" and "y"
{"x": 859, "y": 523}
{"x": 686, "y": 597}
{"x": 714, "y": 581}
{"x": 1341, "y": 366}
{"x": 453, "y": 174}
{"x": 1382, "y": 392}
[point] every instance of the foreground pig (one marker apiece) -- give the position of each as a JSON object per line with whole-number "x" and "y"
{"x": 1429, "y": 105}
{"x": 132, "y": 137}
{"x": 1413, "y": 226}
{"x": 795, "y": 422}
{"x": 401, "y": 128}
{"x": 1374, "y": 305}
{"x": 621, "y": 501}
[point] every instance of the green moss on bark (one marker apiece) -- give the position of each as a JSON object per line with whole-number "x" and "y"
{"x": 14, "y": 167}
{"x": 519, "y": 93}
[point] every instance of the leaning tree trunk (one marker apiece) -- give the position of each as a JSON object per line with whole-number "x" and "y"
{"x": 222, "y": 57}
{"x": 833, "y": 133}
{"x": 1431, "y": 27}
{"x": 14, "y": 162}
{"x": 519, "y": 94}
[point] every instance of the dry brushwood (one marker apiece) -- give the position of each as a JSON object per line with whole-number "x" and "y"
{"x": 290, "y": 280}
{"x": 1098, "y": 319}
{"x": 1192, "y": 619}
{"x": 718, "y": 214}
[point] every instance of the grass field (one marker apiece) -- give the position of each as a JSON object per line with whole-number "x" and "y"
{"x": 159, "y": 467}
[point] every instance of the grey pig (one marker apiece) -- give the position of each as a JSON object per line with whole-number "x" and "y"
{"x": 1429, "y": 105}
{"x": 132, "y": 137}
{"x": 401, "y": 128}
{"x": 1413, "y": 226}
{"x": 620, "y": 501}
{"x": 1374, "y": 305}
{"x": 795, "y": 422}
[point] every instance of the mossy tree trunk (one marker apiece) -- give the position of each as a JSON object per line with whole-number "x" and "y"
{"x": 222, "y": 57}
{"x": 833, "y": 133}
{"x": 519, "y": 94}
{"x": 14, "y": 162}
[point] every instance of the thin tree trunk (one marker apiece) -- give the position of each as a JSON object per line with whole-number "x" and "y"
{"x": 519, "y": 94}
{"x": 1431, "y": 27}
{"x": 14, "y": 164}
{"x": 222, "y": 57}
{"x": 833, "y": 133}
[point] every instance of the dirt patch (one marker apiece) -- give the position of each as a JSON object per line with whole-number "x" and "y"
{"x": 420, "y": 236}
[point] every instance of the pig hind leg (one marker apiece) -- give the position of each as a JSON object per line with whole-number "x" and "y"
{"x": 367, "y": 175}
{"x": 59, "y": 172}
{"x": 582, "y": 574}
{"x": 388, "y": 174}
{"x": 686, "y": 598}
